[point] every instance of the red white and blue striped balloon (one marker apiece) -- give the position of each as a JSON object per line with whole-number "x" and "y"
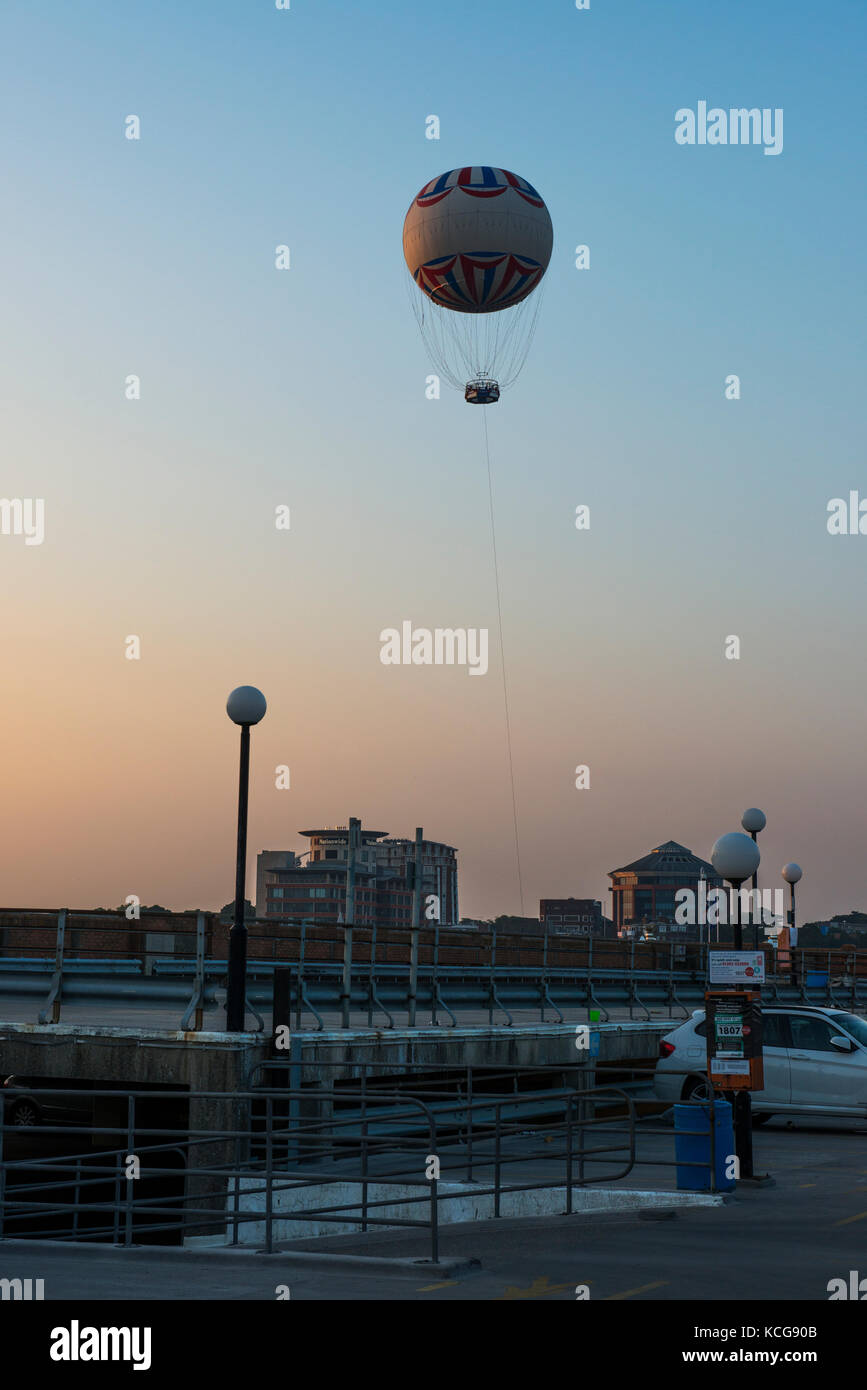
{"x": 477, "y": 239}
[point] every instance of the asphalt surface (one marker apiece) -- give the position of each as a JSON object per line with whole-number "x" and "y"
{"x": 770, "y": 1243}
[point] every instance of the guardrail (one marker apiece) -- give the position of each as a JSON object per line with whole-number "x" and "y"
{"x": 292, "y": 1155}
{"x": 378, "y": 973}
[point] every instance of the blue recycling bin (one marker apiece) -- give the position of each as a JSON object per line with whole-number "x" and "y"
{"x": 695, "y": 1148}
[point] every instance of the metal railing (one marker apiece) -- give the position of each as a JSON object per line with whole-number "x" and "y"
{"x": 378, "y": 973}
{"x": 291, "y": 1161}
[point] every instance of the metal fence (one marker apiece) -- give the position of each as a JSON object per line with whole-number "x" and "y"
{"x": 431, "y": 973}
{"x": 308, "y": 1158}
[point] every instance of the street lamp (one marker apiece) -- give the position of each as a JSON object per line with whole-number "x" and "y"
{"x": 792, "y": 873}
{"x": 245, "y": 706}
{"x": 754, "y": 820}
{"x": 736, "y": 857}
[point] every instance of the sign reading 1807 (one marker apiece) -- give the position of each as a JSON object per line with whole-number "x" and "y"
{"x": 734, "y": 1039}
{"x": 729, "y": 1032}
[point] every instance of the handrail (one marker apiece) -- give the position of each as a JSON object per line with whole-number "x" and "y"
{"x": 389, "y": 1151}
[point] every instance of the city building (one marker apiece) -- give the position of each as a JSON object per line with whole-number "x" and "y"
{"x": 643, "y": 892}
{"x": 270, "y": 859}
{"x": 572, "y": 916}
{"x": 382, "y": 880}
{"x": 439, "y": 871}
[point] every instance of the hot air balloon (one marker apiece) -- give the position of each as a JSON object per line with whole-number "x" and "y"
{"x": 477, "y": 242}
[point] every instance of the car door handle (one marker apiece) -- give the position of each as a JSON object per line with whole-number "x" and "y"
{"x": 800, "y": 1056}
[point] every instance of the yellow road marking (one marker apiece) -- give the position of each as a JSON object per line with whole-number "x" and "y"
{"x": 847, "y": 1220}
{"x": 630, "y": 1293}
{"x": 538, "y": 1289}
{"x": 446, "y": 1284}
{"x": 808, "y": 1184}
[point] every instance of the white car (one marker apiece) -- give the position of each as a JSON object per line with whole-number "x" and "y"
{"x": 815, "y": 1061}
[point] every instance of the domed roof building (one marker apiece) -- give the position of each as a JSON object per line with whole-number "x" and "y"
{"x": 644, "y": 890}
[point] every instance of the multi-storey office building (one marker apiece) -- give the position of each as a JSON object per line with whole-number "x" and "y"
{"x": 382, "y": 880}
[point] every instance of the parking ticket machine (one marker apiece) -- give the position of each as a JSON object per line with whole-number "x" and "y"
{"x": 734, "y": 1039}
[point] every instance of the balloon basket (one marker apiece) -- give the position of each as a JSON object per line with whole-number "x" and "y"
{"x": 481, "y": 392}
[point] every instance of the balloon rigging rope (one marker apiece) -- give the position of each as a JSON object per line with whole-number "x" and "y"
{"x": 503, "y": 660}
{"x": 466, "y": 347}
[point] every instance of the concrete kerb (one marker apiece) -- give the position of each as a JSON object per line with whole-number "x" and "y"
{"x": 461, "y": 1205}
{"x": 446, "y": 1268}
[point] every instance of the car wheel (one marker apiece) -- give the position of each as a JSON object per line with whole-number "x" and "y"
{"x": 761, "y": 1119}
{"x": 696, "y": 1088}
{"x": 25, "y": 1113}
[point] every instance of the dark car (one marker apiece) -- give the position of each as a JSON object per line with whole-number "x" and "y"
{"x": 33, "y": 1101}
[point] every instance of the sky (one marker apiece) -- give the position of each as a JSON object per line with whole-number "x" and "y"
{"x": 306, "y": 388}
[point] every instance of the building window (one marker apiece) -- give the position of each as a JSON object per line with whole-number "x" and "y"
{"x": 276, "y": 892}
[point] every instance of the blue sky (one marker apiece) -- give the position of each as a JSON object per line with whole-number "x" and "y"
{"x": 306, "y": 127}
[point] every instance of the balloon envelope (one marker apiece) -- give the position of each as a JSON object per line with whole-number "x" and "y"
{"x": 477, "y": 239}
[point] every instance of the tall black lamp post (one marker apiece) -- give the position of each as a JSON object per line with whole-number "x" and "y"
{"x": 736, "y": 857}
{"x": 245, "y": 706}
{"x": 792, "y": 873}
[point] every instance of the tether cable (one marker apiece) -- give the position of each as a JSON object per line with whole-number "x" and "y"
{"x": 503, "y": 660}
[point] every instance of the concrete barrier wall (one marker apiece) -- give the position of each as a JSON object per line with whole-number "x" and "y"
{"x": 459, "y": 1202}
